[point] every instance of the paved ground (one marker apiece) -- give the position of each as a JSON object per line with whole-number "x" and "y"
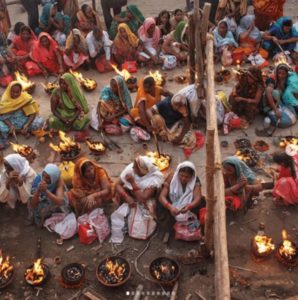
{"x": 265, "y": 279}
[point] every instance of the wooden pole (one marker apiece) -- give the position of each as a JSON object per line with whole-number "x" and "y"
{"x": 192, "y": 58}
{"x": 205, "y": 22}
{"x": 94, "y": 4}
{"x": 222, "y": 279}
{"x": 188, "y": 5}
{"x": 199, "y": 52}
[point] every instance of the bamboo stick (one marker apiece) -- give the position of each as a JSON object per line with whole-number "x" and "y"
{"x": 192, "y": 58}
{"x": 205, "y": 21}
{"x": 222, "y": 279}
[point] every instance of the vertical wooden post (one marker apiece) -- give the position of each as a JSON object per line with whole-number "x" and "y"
{"x": 188, "y": 5}
{"x": 222, "y": 278}
{"x": 192, "y": 58}
{"x": 94, "y": 4}
{"x": 205, "y": 21}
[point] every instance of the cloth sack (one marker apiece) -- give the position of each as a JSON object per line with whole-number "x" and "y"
{"x": 170, "y": 62}
{"x": 288, "y": 117}
{"x": 118, "y": 223}
{"x": 188, "y": 230}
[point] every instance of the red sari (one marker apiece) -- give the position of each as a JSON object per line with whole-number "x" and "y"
{"x": 44, "y": 56}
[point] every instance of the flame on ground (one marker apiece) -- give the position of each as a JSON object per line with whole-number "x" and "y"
{"x": 281, "y": 59}
{"x": 50, "y": 86}
{"x": 286, "y": 141}
{"x": 66, "y": 143}
{"x": 263, "y": 244}
{"x": 21, "y": 149}
{"x": 115, "y": 270}
{"x": 162, "y": 161}
{"x": 124, "y": 73}
{"x": 88, "y": 83}
{"x": 23, "y": 80}
{"x": 287, "y": 249}
{"x": 164, "y": 269}
{"x": 96, "y": 146}
{"x": 35, "y": 275}
{"x": 5, "y": 267}
{"x": 158, "y": 78}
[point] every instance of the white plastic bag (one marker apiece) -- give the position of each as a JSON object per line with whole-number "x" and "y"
{"x": 68, "y": 227}
{"x": 117, "y": 223}
{"x": 98, "y": 220}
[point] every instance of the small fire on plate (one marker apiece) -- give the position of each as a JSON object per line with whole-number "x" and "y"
{"x": 287, "y": 251}
{"x": 88, "y": 84}
{"x": 262, "y": 246}
{"x": 164, "y": 270}
{"x": 161, "y": 161}
{"x": 35, "y": 274}
{"x": 288, "y": 140}
{"x": 49, "y": 87}
{"x": 25, "y": 151}
{"x": 6, "y": 270}
{"x": 96, "y": 147}
{"x": 158, "y": 77}
{"x": 27, "y": 84}
{"x": 130, "y": 80}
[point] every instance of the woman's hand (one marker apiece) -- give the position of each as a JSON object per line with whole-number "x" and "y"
{"x": 243, "y": 181}
{"x": 186, "y": 208}
{"x": 174, "y": 211}
{"x": 12, "y": 129}
{"x": 25, "y": 129}
{"x": 130, "y": 178}
{"x": 42, "y": 186}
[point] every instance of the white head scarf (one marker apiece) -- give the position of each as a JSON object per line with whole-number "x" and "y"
{"x": 18, "y": 163}
{"x": 153, "y": 177}
{"x": 178, "y": 197}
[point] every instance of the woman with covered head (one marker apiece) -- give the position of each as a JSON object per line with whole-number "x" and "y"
{"x": 247, "y": 94}
{"x": 176, "y": 42}
{"x": 76, "y": 50}
{"x": 240, "y": 181}
{"x": 139, "y": 183}
{"x": 132, "y": 17}
{"x": 232, "y": 9}
{"x": 171, "y": 120}
{"x": 18, "y": 112}
{"x": 149, "y": 35}
{"x": 45, "y": 52}
{"x": 114, "y": 103}
{"x": 91, "y": 187}
{"x": 47, "y": 194}
{"x": 68, "y": 105}
{"x": 16, "y": 180}
{"x": 181, "y": 192}
{"x": 273, "y": 105}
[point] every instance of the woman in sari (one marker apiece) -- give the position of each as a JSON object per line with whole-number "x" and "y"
{"x": 249, "y": 38}
{"x": 132, "y": 17}
{"x": 170, "y": 120}
{"x": 91, "y": 187}
{"x": 231, "y": 9}
{"x": 176, "y": 42}
{"x": 18, "y": 112}
{"x": 48, "y": 194}
{"x": 21, "y": 47}
{"x": 240, "y": 181}
{"x": 224, "y": 43}
{"x": 76, "y": 51}
{"x": 181, "y": 192}
{"x": 281, "y": 33}
{"x": 4, "y": 18}
{"x": 273, "y": 105}
{"x": 16, "y": 180}
{"x": 54, "y": 22}
{"x": 163, "y": 22}
{"x": 45, "y": 52}
{"x": 149, "y": 34}
{"x": 114, "y": 103}
{"x": 87, "y": 19}
{"x": 267, "y": 11}
{"x": 126, "y": 45}
{"x": 68, "y": 105}
{"x": 149, "y": 94}
{"x": 247, "y": 94}
{"x": 285, "y": 188}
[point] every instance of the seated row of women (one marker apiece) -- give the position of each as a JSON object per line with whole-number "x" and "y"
{"x": 139, "y": 183}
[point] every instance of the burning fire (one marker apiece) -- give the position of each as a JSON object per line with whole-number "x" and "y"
{"x": 87, "y": 83}
{"x": 96, "y": 146}
{"x": 249, "y": 156}
{"x": 5, "y": 267}
{"x": 158, "y": 78}
{"x": 164, "y": 269}
{"x": 287, "y": 249}
{"x": 124, "y": 73}
{"x": 281, "y": 59}
{"x": 66, "y": 144}
{"x": 161, "y": 161}
{"x": 22, "y": 149}
{"x": 49, "y": 87}
{"x": 35, "y": 274}
{"x": 288, "y": 140}
{"x": 115, "y": 270}
{"x": 263, "y": 244}
{"x": 24, "y": 81}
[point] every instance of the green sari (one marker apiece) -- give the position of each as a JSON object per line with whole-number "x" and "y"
{"x": 134, "y": 24}
{"x": 67, "y": 108}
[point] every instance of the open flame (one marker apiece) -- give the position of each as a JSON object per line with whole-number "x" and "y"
{"x": 263, "y": 244}
{"x": 157, "y": 76}
{"x": 50, "y": 86}
{"x": 66, "y": 144}
{"x": 22, "y": 149}
{"x": 115, "y": 270}
{"x": 35, "y": 275}
{"x": 288, "y": 141}
{"x": 249, "y": 156}
{"x": 124, "y": 73}
{"x": 23, "y": 80}
{"x": 161, "y": 161}
{"x": 281, "y": 59}
{"x": 87, "y": 83}
{"x": 96, "y": 146}
{"x": 287, "y": 249}
{"x": 5, "y": 267}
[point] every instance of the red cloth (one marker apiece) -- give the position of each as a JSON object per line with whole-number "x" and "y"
{"x": 233, "y": 202}
{"x": 202, "y": 215}
{"x": 23, "y": 46}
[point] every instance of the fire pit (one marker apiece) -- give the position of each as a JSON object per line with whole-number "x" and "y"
{"x": 49, "y": 87}
{"x": 242, "y": 143}
{"x": 6, "y": 271}
{"x": 161, "y": 161}
{"x": 73, "y": 276}
{"x": 261, "y": 146}
{"x": 68, "y": 148}
{"x": 27, "y": 85}
{"x": 88, "y": 84}
{"x": 164, "y": 270}
{"x": 25, "y": 151}
{"x": 97, "y": 148}
{"x": 262, "y": 246}
{"x": 37, "y": 274}
{"x": 286, "y": 253}
{"x": 249, "y": 156}
{"x": 158, "y": 78}
{"x": 113, "y": 271}
{"x": 288, "y": 140}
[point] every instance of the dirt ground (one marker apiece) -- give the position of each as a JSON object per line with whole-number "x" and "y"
{"x": 267, "y": 280}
